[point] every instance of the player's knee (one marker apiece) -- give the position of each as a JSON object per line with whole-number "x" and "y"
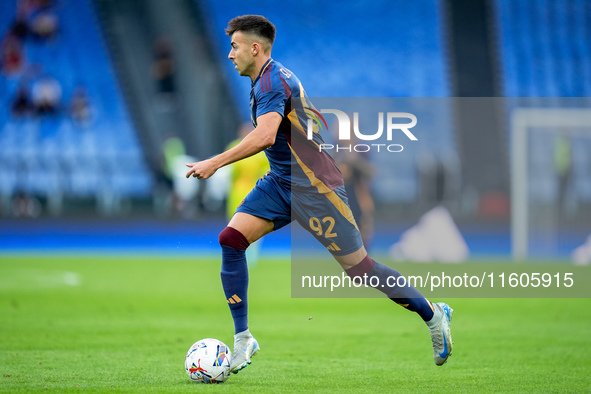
{"x": 364, "y": 267}
{"x": 233, "y": 238}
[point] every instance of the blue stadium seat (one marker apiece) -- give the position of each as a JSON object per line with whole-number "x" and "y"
{"x": 545, "y": 52}
{"x": 72, "y": 154}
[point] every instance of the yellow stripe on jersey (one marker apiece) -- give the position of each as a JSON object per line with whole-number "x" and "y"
{"x": 263, "y": 70}
{"x": 295, "y": 120}
{"x": 323, "y": 189}
{"x": 307, "y": 104}
{"x": 303, "y": 96}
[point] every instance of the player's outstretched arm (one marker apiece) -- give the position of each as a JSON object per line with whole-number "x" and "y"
{"x": 262, "y": 137}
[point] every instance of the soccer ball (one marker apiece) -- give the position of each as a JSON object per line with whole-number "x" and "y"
{"x": 208, "y": 361}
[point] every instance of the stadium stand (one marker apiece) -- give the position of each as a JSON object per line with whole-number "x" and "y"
{"x": 545, "y": 48}
{"x": 546, "y": 54}
{"x": 52, "y": 154}
{"x": 403, "y": 43}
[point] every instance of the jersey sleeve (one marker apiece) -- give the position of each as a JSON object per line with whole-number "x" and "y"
{"x": 271, "y": 100}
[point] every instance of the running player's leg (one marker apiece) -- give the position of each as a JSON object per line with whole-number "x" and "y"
{"x": 328, "y": 217}
{"x": 359, "y": 264}
{"x": 250, "y": 226}
{"x": 344, "y": 242}
{"x": 437, "y": 316}
{"x": 264, "y": 209}
{"x": 242, "y": 230}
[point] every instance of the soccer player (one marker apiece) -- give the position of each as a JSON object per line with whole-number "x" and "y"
{"x": 304, "y": 184}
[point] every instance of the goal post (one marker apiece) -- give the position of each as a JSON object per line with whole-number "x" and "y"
{"x": 523, "y": 122}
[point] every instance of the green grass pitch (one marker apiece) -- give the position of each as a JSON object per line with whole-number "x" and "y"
{"x": 125, "y": 323}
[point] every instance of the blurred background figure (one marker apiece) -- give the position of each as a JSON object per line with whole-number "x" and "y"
{"x": 562, "y": 168}
{"x": 182, "y": 197}
{"x": 80, "y": 108}
{"x": 21, "y": 105}
{"x": 11, "y": 54}
{"x": 163, "y": 72}
{"x": 358, "y": 173}
{"x": 25, "y": 206}
{"x": 46, "y": 96}
{"x": 44, "y": 25}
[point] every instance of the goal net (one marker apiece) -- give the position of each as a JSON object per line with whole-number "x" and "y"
{"x": 550, "y": 181}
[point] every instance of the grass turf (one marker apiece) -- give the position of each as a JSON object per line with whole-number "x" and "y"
{"x": 124, "y": 324}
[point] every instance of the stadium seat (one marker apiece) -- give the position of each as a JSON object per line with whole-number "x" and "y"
{"x": 545, "y": 53}
{"x": 74, "y": 154}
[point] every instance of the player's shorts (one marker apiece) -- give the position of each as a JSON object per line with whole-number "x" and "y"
{"x": 326, "y": 216}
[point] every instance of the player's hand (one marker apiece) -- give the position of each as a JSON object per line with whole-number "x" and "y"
{"x": 201, "y": 169}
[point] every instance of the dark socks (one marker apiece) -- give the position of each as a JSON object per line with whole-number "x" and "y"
{"x": 235, "y": 275}
{"x": 385, "y": 281}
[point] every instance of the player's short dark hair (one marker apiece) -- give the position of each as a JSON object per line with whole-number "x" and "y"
{"x": 253, "y": 24}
